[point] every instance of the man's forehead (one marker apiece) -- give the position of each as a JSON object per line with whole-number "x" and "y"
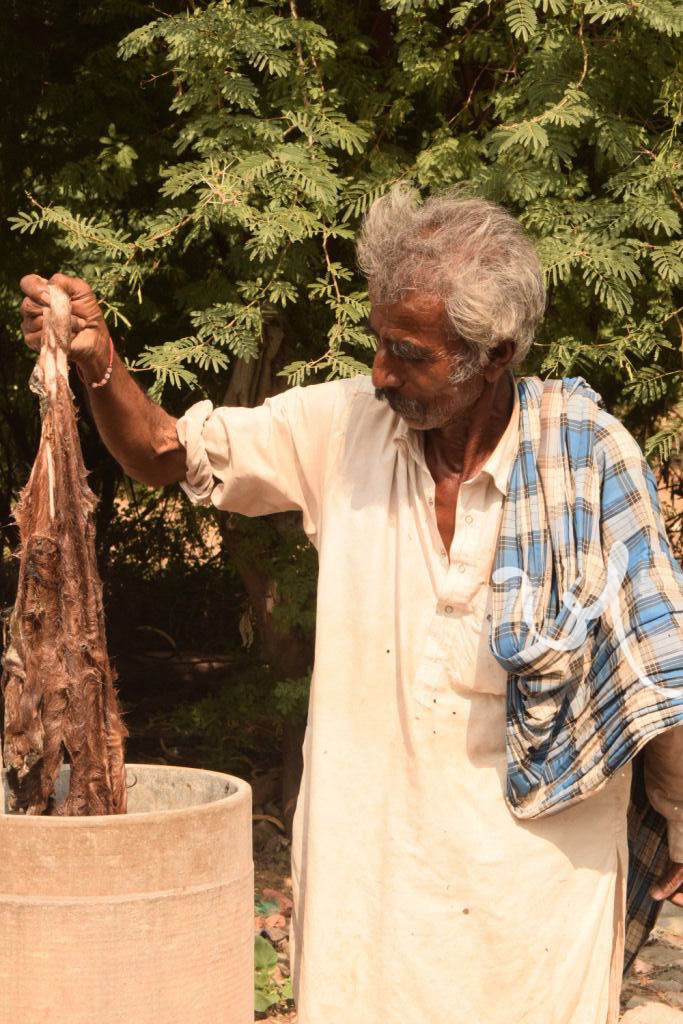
{"x": 414, "y": 308}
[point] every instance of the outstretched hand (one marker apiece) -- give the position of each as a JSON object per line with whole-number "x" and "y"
{"x": 669, "y": 886}
{"x": 90, "y": 336}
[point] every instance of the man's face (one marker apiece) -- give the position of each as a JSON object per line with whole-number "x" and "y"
{"x": 417, "y": 368}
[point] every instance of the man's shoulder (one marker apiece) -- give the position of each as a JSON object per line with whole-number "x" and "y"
{"x": 571, "y": 406}
{"x": 343, "y": 390}
{"x": 572, "y": 391}
{"x": 332, "y": 400}
{"x": 348, "y": 388}
{"x": 576, "y": 400}
{"x": 328, "y": 408}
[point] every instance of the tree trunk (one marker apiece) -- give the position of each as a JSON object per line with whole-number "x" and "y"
{"x": 289, "y": 651}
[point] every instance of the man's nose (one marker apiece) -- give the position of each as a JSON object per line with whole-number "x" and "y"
{"x": 383, "y": 373}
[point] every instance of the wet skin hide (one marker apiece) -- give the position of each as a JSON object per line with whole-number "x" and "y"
{"x": 57, "y": 682}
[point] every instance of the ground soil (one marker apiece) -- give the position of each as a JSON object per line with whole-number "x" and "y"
{"x": 272, "y": 874}
{"x": 657, "y": 974}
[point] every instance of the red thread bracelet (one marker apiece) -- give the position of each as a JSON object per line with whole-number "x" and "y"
{"x": 107, "y": 375}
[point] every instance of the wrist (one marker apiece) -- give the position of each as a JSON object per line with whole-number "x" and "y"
{"x": 95, "y": 367}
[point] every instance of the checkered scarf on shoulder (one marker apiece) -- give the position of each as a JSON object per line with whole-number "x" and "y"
{"x": 586, "y": 603}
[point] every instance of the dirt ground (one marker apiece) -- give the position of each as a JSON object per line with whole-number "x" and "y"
{"x": 654, "y": 985}
{"x": 656, "y": 978}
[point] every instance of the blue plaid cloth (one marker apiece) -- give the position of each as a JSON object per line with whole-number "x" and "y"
{"x": 582, "y": 527}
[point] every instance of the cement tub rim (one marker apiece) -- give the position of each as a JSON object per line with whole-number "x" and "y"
{"x": 239, "y": 791}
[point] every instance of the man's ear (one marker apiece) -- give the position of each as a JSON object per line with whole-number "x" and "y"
{"x": 499, "y": 359}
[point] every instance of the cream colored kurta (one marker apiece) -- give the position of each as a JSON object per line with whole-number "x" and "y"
{"x": 419, "y": 897}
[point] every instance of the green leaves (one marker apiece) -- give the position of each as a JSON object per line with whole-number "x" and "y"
{"x": 529, "y": 134}
{"x": 290, "y": 696}
{"x": 521, "y": 18}
{"x": 267, "y": 992}
{"x": 608, "y": 265}
{"x": 668, "y": 262}
{"x": 83, "y": 232}
{"x": 552, "y": 6}
{"x": 281, "y": 131}
{"x": 649, "y": 386}
{"x": 664, "y": 443}
{"x": 610, "y": 268}
{"x": 330, "y": 128}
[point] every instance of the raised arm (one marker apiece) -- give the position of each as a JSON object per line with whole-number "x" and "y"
{"x": 138, "y": 433}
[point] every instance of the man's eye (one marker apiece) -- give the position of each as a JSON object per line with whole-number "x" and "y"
{"x": 404, "y": 350}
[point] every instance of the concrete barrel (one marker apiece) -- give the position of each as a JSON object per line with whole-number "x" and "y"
{"x": 143, "y": 918}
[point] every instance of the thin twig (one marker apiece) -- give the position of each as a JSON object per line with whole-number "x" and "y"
{"x": 330, "y": 269}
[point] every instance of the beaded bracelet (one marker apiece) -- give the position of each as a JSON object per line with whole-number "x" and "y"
{"x": 107, "y": 374}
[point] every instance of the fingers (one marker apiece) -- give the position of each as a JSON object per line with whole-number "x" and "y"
{"x": 669, "y": 884}
{"x": 32, "y": 314}
{"x": 74, "y": 287}
{"x": 33, "y": 340}
{"x": 85, "y": 311}
{"x": 32, "y": 321}
{"x": 84, "y": 306}
{"x": 32, "y": 327}
{"x": 35, "y": 287}
{"x": 30, "y": 308}
{"x": 33, "y": 332}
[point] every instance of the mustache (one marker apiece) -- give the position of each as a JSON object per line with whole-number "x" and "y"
{"x": 408, "y": 407}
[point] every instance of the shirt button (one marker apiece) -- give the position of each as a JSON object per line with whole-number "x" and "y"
{"x": 430, "y": 501}
{"x": 461, "y": 567}
{"x": 469, "y": 520}
{"x": 449, "y": 609}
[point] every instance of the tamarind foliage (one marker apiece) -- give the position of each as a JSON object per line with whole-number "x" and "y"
{"x": 286, "y": 120}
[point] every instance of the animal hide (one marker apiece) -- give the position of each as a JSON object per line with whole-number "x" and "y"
{"x": 57, "y": 682}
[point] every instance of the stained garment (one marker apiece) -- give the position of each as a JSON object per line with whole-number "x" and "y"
{"x": 418, "y": 893}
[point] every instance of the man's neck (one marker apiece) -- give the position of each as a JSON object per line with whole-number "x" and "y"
{"x": 460, "y": 448}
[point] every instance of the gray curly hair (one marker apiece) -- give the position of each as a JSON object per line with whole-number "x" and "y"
{"x": 470, "y": 252}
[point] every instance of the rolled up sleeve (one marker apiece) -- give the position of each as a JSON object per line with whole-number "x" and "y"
{"x": 271, "y": 458}
{"x": 199, "y": 482}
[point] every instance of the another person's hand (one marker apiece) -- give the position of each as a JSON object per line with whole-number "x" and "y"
{"x": 670, "y": 884}
{"x": 90, "y": 337}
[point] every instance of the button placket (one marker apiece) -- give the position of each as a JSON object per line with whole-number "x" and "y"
{"x": 429, "y": 491}
{"x": 462, "y": 554}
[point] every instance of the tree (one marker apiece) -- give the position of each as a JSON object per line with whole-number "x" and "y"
{"x": 246, "y": 138}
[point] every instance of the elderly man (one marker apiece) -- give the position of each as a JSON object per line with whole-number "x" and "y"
{"x": 460, "y": 843}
